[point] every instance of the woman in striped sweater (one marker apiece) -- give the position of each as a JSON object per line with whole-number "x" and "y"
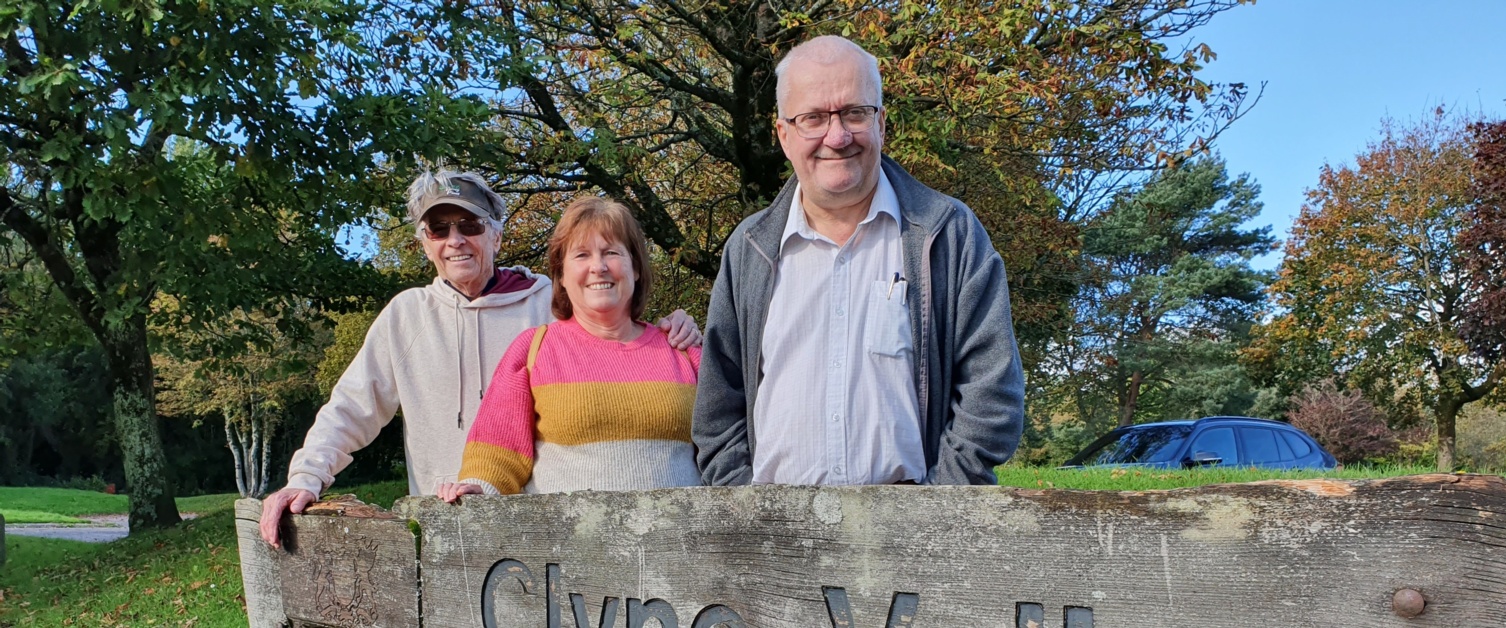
{"x": 598, "y": 399}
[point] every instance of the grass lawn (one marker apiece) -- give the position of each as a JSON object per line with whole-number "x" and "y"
{"x": 37, "y": 516}
{"x": 28, "y": 504}
{"x": 1142, "y": 479}
{"x": 60, "y": 501}
{"x": 186, "y": 576}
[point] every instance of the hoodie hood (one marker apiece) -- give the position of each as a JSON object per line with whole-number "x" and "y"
{"x": 510, "y": 285}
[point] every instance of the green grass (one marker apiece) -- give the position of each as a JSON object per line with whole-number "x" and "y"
{"x": 61, "y": 501}
{"x": 1141, "y": 479}
{"x": 207, "y": 503}
{"x": 185, "y": 576}
{"x": 36, "y": 516}
{"x": 69, "y": 502}
{"x": 188, "y": 575}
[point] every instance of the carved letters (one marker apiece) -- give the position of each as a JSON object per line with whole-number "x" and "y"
{"x": 902, "y": 608}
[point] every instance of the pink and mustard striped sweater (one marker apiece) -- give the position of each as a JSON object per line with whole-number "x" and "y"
{"x": 589, "y": 414}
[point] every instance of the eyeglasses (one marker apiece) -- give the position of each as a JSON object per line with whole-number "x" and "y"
{"x": 441, "y": 230}
{"x": 814, "y": 124}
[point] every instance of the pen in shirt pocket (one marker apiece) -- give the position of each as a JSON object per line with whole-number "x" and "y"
{"x": 897, "y": 281}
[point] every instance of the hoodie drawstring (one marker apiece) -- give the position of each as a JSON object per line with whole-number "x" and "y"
{"x": 480, "y": 367}
{"x": 459, "y": 367}
{"x": 460, "y": 361}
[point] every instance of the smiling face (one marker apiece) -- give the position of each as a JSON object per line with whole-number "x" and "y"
{"x": 839, "y": 169}
{"x": 464, "y": 261}
{"x": 599, "y": 278}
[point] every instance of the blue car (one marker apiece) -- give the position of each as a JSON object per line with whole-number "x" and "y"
{"x": 1216, "y": 440}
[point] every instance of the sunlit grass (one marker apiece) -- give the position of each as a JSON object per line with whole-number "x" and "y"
{"x": 68, "y": 502}
{"x": 188, "y": 575}
{"x": 13, "y": 517}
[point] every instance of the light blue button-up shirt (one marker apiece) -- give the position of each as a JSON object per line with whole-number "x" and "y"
{"x": 837, "y": 402}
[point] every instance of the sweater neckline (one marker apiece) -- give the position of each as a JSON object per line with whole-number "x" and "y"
{"x": 650, "y": 333}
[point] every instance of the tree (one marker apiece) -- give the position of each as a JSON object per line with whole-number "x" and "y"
{"x": 1033, "y": 114}
{"x": 1168, "y": 289}
{"x": 1484, "y": 243}
{"x": 182, "y": 148}
{"x": 1373, "y": 286}
{"x": 252, "y": 388}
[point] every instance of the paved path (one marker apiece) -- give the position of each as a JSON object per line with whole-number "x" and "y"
{"x": 102, "y": 529}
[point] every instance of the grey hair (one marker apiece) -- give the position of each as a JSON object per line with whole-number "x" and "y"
{"x": 432, "y": 183}
{"x": 828, "y": 50}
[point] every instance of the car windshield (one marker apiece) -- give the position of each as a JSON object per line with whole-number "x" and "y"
{"x": 1136, "y": 445}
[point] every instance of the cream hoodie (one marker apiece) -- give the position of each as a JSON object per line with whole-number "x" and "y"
{"x": 432, "y": 353}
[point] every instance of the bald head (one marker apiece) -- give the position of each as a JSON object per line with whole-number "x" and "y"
{"x": 818, "y": 55}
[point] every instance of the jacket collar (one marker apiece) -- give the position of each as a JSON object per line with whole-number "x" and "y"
{"x": 919, "y": 205}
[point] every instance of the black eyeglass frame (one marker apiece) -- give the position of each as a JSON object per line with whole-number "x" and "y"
{"x": 839, "y": 113}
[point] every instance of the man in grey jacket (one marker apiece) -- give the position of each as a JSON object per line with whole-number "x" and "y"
{"x": 859, "y": 330}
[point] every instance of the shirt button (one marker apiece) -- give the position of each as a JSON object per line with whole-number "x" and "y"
{"x": 836, "y": 469}
{"x": 841, "y": 259}
{"x": 840, "y": 312}
{"x": 836, "y": 417}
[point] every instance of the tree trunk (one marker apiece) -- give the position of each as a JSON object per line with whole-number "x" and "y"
{"x": 237, "y": 454}
{"x": 1445, "y": 415}
{"x": 151, "y": 493}
{"x": 1131, "y": 400}
{"x": 253, "y": 477}
{"x": 265, "y": 480}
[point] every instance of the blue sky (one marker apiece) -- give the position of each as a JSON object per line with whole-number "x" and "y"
{"x": 1334, "y": 69}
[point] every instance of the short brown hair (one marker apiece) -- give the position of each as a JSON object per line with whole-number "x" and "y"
{"x": 592, "y": 214}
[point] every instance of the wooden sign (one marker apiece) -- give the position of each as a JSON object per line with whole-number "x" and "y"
{"x": 1417, "y": 551}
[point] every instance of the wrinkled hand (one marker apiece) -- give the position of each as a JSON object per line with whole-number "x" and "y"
{"x": 451, "y": 491}
{"x": 278, "y": 504}
{"x": 681, "y": 330}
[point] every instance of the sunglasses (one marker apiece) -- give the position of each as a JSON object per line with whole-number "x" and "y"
{"x": 468, "y": 227}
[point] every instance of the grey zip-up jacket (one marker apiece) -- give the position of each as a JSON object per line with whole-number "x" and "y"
{"x": 967, "y": 367}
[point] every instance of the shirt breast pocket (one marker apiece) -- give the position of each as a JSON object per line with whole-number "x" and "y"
{"x": 887, "y": 328}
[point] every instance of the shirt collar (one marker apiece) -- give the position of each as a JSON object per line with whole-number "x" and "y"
{"x": 884, "y": 202}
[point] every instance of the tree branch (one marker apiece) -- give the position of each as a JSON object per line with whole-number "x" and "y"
{"x": 54, "y": 259}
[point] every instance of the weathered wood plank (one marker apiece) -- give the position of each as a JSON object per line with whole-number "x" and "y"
{"x": 345, "y": 565}
{"x": 1419, "y": 551}
{"x": 1310, "y": 553}
{"x": 259, "y": 568}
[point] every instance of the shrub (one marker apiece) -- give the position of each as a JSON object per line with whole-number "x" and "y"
{"x": 1481, "y": 445}
{"x": 1343, "y": 421}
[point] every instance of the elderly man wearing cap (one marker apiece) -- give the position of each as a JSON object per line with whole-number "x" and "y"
{"x": 432, "y": 350}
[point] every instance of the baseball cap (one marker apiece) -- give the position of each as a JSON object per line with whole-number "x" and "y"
{"x": 455, "y": 191}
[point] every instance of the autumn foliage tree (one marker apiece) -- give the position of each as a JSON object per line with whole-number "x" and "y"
{"x": 251, "y": 386}
{"x": 1374, "y": 284}
{"x": 1034, "y": 113}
